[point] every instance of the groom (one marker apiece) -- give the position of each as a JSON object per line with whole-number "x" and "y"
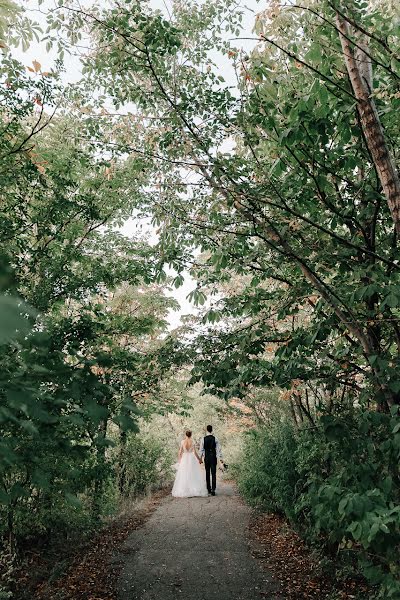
{"x": 210, "y": 448}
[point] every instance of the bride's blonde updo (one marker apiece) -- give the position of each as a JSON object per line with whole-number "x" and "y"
{"x": 188, "y": 434}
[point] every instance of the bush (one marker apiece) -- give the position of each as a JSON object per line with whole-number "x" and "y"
{"x": 144, "y": 464}
{"x": 267, "y": 476}
{"x": 7, "y": 568}
{"x": 60, "y": 503}
{"x": 338, "y": 483}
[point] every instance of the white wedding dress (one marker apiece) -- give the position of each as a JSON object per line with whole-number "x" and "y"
{"x": 190, "y": 477}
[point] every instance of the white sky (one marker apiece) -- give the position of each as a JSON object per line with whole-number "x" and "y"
{"x": 73, "y": 73}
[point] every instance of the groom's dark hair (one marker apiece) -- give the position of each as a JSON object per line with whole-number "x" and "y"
{"x": 209, "y": 428}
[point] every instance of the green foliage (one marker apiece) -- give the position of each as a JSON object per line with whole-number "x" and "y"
{"x": 337, "y": 483}
{"x": 267, "y": 475}
{"x": 300, "y": 259}
{"x": 296, "y": 208}
{"x": 144, "y": 464}
{"x": 15, "y": 28}
{"x": 13, "y": 320}
{"x": 83, "y": 320}
{"x": 59, "y": 499}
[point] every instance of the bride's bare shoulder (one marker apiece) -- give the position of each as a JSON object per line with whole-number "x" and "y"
{"x": 188, "y": 444}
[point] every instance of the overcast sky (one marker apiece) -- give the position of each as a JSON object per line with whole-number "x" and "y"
{"x": 73, "y": 73}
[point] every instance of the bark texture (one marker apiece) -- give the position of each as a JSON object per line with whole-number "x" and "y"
{"x": 359, "y": 68}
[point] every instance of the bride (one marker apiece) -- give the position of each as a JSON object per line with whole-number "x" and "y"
{"x": 189, "y": 480}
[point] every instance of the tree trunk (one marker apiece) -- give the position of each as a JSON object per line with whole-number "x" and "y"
{"x": 121, "y": 463}
{"x": 99, "y": 481}
{"x": 293, "y": 412}
{"x": 10, "y": 528}
{"x": 359, "y": 68}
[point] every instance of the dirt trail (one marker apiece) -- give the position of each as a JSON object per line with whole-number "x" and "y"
{"x": 194, "y": 548}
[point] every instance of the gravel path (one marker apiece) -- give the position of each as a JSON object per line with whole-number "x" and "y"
{"x": 195, "y": 548}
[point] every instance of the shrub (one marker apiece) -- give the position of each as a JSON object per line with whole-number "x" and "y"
{"x": 267, "y": 475}
{"x": 7, "y": 567}
{"x": 61, "y": 501}
{"x": 338, "y": 483}
{"x": 144, "y": 464}
{"x": 351, "y": 493}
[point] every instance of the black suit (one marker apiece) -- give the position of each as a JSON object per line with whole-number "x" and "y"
{"x": 210, "y": 461}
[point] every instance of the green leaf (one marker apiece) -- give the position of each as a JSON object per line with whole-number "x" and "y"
{"x": 14, "y": 321}
{"x": 342, "y": 505}
{"x": 126, "y": 422}
{"x": 391, "y": 300}
{"x": 73, "y": 500}
{"x": 314, "y": 54}
{"x": 394, "y": 386}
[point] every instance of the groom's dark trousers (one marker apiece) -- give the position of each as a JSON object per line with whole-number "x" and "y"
{"x": 210, "y": 461}
{"x": 211, "y": 469}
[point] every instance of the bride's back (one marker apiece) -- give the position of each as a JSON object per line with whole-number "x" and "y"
{"x": 187, "y": 444}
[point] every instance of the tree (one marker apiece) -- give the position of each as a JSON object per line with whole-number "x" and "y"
{"x": 287, "y": 184}
{"x": 301, "y": 201}
{"x": 84, "y": 332}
